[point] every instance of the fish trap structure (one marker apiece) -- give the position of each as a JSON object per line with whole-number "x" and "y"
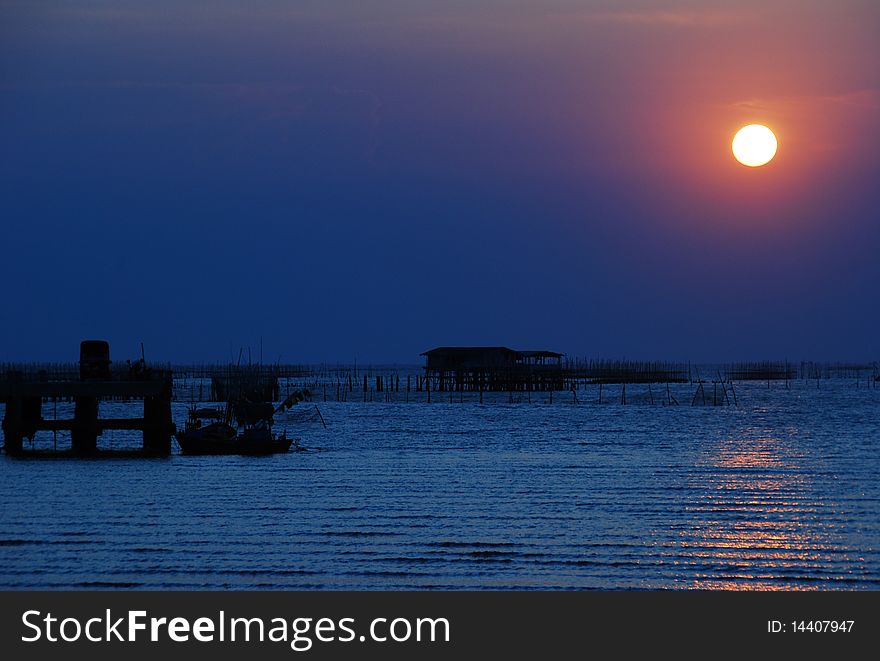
{"x": 628, "y": 371}
{"x": 762, "y": 371}
{"x": 503, "y": 369}
{"x": 24, "y": 389}
{"x": 253, "y": 383}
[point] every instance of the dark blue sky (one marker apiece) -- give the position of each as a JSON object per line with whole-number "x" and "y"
{"x": 367, "y": 180}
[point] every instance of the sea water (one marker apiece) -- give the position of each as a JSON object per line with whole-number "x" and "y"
{"x": 779, "y": 492}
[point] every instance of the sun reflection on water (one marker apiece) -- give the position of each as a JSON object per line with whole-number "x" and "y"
{"x": 757, "y": 522}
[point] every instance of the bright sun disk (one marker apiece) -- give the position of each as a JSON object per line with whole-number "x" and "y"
{"x": 754, "y": 145}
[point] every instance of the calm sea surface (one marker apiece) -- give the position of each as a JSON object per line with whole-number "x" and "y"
{"x": 782, "y": 492}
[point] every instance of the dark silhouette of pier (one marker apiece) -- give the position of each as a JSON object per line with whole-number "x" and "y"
{"x": 93, "y": 381}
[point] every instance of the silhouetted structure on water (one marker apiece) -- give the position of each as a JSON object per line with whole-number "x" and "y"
{"x": 93, "y": 381}
{"x": 493, "y": 369}
{"x": 504, "y": 369}
{"x": 253, "y": 383}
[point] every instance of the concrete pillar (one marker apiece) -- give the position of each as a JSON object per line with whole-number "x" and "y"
{"x": 12, "y": 426}
{"x": 31, "y": 415}
{"x": 84, "y": 434}
{"x": 158, "y": 425}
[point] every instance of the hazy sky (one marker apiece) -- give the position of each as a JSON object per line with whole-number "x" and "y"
{"x": 355, "y": 179}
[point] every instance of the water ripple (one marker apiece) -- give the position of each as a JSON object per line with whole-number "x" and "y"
{"x": 782, "y": 493}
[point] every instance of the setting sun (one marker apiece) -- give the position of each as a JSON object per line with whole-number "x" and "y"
{"x": 754, "y": 145}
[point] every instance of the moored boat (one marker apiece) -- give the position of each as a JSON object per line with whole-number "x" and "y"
{"x": 253, "y": 437}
